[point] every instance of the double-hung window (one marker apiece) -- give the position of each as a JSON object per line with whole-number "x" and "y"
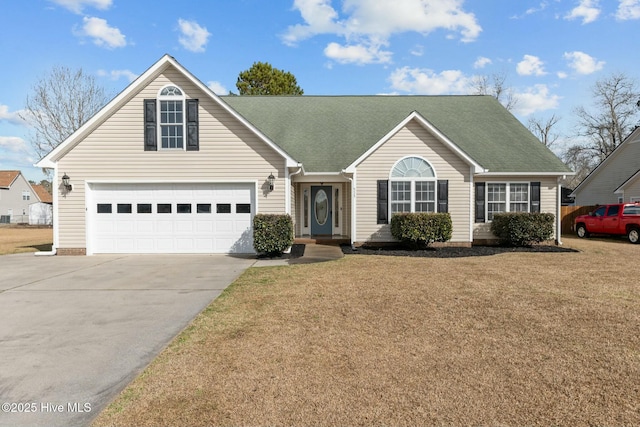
{"x": 172, "y": 115}
{"x": 507, "y": 197}
{"x": 413, "y": 186}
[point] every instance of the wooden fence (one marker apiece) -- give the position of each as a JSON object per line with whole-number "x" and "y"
{"x": 569, "y": 214}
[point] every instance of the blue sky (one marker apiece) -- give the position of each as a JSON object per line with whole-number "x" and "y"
{"x": 551, "y": 51}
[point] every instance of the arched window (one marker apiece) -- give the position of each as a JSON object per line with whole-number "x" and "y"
{"x": 413, "y": 186}
{"x": 171, "y": 100}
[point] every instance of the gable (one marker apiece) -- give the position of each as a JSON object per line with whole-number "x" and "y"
{"x": 42, "y": 193}
{"x": 615, "y": 169}
{"x": 130, "y": 97}
{"x": 329, "y": 133}
{"x": 7, "y": 178}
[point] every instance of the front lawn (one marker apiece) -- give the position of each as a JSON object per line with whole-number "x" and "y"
{"x": 508, "y": 339}
{"x": 23, "y": 238}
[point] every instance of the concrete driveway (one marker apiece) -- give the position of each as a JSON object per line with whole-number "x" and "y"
{"x": 74, "y": 331}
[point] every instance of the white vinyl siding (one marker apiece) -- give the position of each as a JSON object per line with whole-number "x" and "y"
{"x": 229, "y": 152}
{"x": 632, "y": 191}
{"x": 412, "y": 140}
{"x": 14, "y": 201}
{"x": 598, "y": 189}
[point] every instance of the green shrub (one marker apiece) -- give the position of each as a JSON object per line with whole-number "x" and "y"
{"x": 420, "y": 229}
{"x": 272, "y": 234}
{"x": 522, "y": 228}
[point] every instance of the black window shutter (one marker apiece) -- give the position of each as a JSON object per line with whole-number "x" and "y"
{"x": 383, "y": 201}
{"x": 535, "y": 197}
{"x": 480, "y": 202}
{"x": 150, "y": 125}
{"x": 193, "y": 139}
{"x": 443, "y": 195}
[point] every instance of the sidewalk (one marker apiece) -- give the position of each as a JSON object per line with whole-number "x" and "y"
{"x": 312, "y": 253}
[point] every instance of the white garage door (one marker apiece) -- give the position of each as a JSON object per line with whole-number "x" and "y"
{"x": 171, "y": 218}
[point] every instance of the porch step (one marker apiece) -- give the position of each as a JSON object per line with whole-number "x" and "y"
{"x": 330, "y": 241}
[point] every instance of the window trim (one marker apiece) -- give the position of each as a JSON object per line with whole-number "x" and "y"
{"x": 507, "y": 201}
{"x": 412, "y": 180}
{"x": 182, "y": 98}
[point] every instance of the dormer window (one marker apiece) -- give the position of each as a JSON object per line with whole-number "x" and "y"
{"x": 171, "y": 118}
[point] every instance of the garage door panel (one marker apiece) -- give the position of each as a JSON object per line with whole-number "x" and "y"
{"x": 145, "y": 244}
{"x": 144, "y": 227}
{"x": 171, "y": 218}
{"x": 184, "y": 226}
{"x": 203, "y": 226}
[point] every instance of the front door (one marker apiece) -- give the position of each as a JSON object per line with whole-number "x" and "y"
{"x": 321, "y": 210}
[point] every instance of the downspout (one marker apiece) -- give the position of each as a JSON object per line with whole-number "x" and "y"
{"x": 54, "y": 191}
{"x": 353, "y": 207}
{"x": 559, "y": 212}
{"x": 472, "y": 201}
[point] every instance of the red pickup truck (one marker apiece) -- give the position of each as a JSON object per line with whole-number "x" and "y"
{"x": 619, "y": 219}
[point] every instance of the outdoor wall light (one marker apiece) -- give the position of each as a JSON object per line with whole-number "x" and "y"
{"x": 272, "y": 180}
{"x": 65, "y": 182}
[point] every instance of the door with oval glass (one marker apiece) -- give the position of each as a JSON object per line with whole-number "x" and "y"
{"x": 321, "y": 210}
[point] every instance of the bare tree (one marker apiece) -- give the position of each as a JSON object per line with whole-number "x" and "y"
{"x": 579, "y": 160}
{"x": 544, "y": 129}
{"x": 496, "y": 86}
{"x": 613, "y": 117}
{"x": 61, "y": 102}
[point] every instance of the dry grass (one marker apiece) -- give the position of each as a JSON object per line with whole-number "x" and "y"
{"x": 16, "y": 239}
{"x": 511, "y": 339}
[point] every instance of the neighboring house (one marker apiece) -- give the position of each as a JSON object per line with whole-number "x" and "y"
{"x": 616, "y": 179}
{"x": 41, "y": 213}
{"x": 168, "y": 166}
{"x": 16, "y": 197}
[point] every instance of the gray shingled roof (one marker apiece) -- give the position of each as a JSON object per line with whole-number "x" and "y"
{"x": 328, "y": 133}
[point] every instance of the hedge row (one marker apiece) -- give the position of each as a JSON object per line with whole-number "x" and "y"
{"x": 421, "y": 229}
{"x": 522, "y": 228}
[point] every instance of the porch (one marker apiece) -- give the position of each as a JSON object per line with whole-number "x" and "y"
{"x": 322, "y": 211}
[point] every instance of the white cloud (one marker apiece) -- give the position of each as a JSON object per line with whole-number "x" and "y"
{"x": 530, "y": 66}
{"x": 77, "y": 6}
{"x": 582, "y": 63}
{"x": 103, "y": 35}
{"x": 319, "y": 18}
{"x": 562, "y": 75}
{"x": 373, "y": 22}
{"x": 194, "y": 38}
{"x": 15, "y": 153}
{"x": 417, "y": 51}
{"x": 628, "y": 9}
{"x": 535, "y": 99}
{"x": 357, "y": 54}
{"x": 118, "y": 74}
{"x": 217, "y": 88}
{"x": 542, "y": 6}
{"x": 11, "y": 117}
{"x": 587, "y": 10}
{"x": 427, "y": 82}
{"x": 481, "y": 62}
{"x": 13, "y": 143}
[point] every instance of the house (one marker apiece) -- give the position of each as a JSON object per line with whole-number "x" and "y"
{"x": 169, "y": 167}
{"x": 17, "y": 196}
{"x": 616, "y": 178}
